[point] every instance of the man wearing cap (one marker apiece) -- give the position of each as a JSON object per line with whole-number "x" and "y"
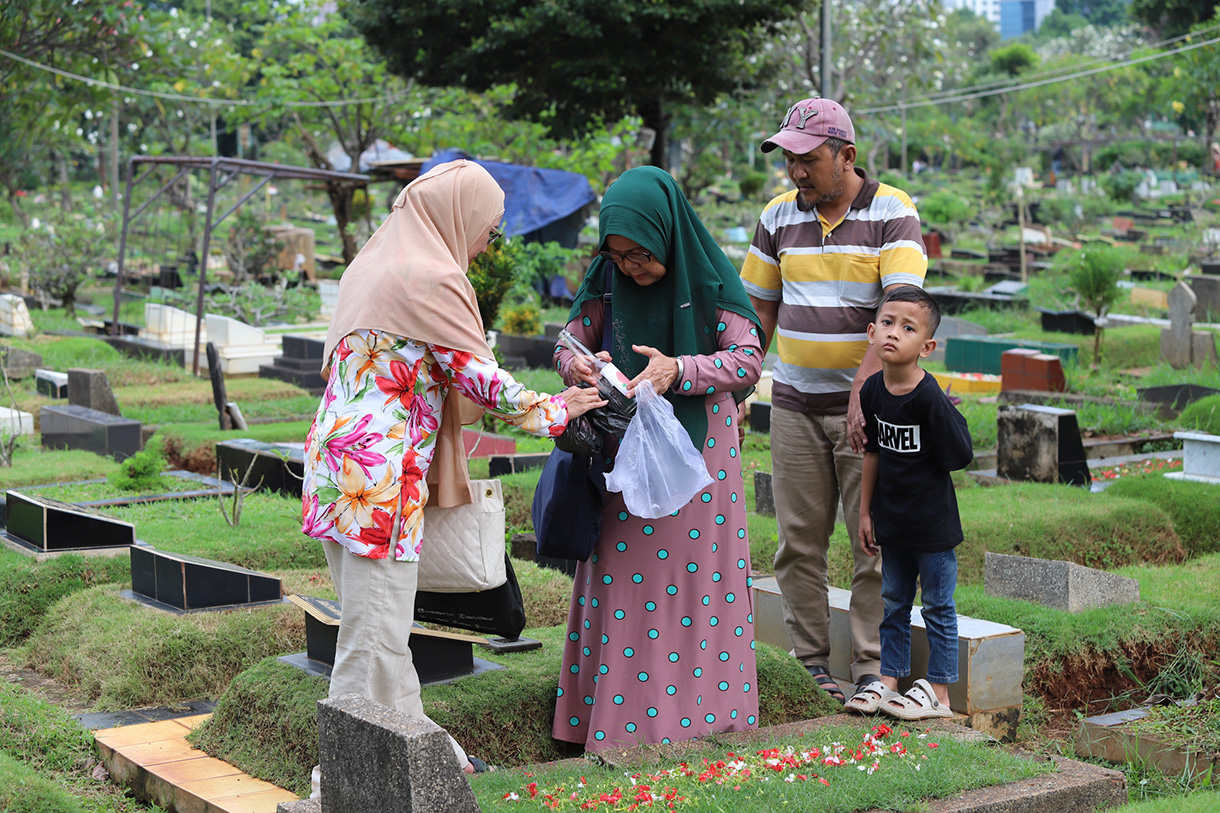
{"x": 822, "y": 256}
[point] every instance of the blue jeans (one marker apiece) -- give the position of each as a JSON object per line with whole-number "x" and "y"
{"x": 937, "y": 575}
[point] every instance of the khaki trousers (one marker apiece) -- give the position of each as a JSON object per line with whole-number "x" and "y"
{"x": 813, "y": 467}
{"x": 372, "y": 656}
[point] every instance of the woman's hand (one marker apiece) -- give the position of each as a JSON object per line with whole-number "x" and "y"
{"x": 662, "y": 370}
{"x": 580, "y": 400}
{"x": 582, "y": 370}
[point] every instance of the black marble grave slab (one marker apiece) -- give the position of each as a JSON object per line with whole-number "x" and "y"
{"x": 299, "y": 364}
{"x": 1074, "y": 322}
{"x": 500, "y": 465}
{"x": 194, "y": 486}
{"x": 190, "y": 583}
{"x": 78, "y": 427}
{"x": 50, "y": 525}
{"x": 52, "y": 387}
{"x": 279, "y": 467}
{"x": 760, "y": 417}
{"x": 438, "y": 657}
{"x": 137, "y": 347}
{"x": 1175, "y": 397}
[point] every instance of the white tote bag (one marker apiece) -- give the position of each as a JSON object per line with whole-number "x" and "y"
{"x": 463, "y": 548}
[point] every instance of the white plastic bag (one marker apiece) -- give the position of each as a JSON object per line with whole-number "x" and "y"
{"x": 657, "y": 469}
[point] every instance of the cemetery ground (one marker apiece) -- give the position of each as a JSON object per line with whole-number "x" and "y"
{"x": 70, "y": 643}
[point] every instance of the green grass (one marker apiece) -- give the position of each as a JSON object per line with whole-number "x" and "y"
{"x": 1192, "y": 507}
{"x": 1201, "y": 801}
{"x": 755, "y": 779}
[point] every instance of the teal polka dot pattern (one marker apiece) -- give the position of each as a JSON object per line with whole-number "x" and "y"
{"x": 586, "y": 321}
{"x": 656, "y": 628}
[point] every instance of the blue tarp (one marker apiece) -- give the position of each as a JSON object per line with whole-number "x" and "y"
{"x": 534, "y": 198}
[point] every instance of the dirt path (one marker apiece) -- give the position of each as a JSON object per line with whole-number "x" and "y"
{"x": 46, "y": 688}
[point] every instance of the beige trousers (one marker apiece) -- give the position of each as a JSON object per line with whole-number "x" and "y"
{"x": 372, "y": 657}
{"x": 813, "y": 467}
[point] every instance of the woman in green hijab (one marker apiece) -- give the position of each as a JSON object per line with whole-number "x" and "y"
{"x": 660, "y": 645}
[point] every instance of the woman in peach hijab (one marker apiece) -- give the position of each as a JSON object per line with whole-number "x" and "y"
{"x": 405, "y": 346}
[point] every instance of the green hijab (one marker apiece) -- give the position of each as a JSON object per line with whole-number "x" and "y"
{"x": 677, "y": 313}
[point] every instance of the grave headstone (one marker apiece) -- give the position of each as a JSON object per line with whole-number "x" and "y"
{"x": 983, "y": 354}
{"x": 1206, "y": 288}
{"x": 1181, "y": 345}
{"x": 1025, "y": 369}
{"x": 242, "y": 348}
{"x": 1200, "y": 457}
{"x": 78, "y": 427}
{"x": 1061, "y": 585}
{"x": 91, "y": 389}
{"x": 1008, "y": 288}
{"x": 377, "y": 758}
{"x": 951, "y": 326}
{"x": 277, "y": 466}
{"x": 14, "y": 422}
{"x": 500, "y": 465}
{"x": 45, "y": 525}
{"x": 1175, "y": 397}
{"x": 300, "y": 363}
{"x": 51, "y": 383}
{"x": 14, "y": 316}
{"x": 1040, "y": 444}
{"x": 764, "y": 497}
{"x": 19, "y": 363}
{"x": 1075, "y": 322}
{"x": 167, "y": 325}
{"x": 328, "y": 290}
{"x": 187, "y": 583}
{"x": 760, "y": 417}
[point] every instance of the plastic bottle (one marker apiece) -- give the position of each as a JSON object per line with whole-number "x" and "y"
{"x": 611, "y": 382}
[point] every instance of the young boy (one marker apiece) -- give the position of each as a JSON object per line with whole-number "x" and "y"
{"x": 908, "y": 506}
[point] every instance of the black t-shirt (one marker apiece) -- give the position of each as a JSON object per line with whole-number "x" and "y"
{"x": 920, "y": 438}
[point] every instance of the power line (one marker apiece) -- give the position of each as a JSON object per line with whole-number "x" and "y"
{"x": 964, "y": 97}
{"x": 191, "y": 99}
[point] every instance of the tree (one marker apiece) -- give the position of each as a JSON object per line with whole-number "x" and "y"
{"x": 1103, "y": 13}
{"x": 1195, "y": 83}
{"x": 1093, "y": 275}
{"x": 576, "y": 65}
{"x": 1171, "y": 18}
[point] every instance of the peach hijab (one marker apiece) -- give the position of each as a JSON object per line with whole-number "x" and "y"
{"x": 410, "y": 280}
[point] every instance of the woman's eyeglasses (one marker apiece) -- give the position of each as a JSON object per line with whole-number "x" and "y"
{"x": 638, "y": 256}
{"x": 494, "y": 235}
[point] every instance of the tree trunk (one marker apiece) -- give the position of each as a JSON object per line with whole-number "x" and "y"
{"x": 22, "y": 214}
{"x": 652, "y": 111}
{"x": 341, "y": 204}
{"x": 65, "y": 192}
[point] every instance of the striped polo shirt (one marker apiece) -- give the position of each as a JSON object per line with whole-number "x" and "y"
{"x": 828, "y": 280}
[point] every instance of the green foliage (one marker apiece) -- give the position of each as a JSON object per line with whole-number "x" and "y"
{"x": 1121, "y": 185}
{"x": 1202, "y": 416}
{"x": 1191, "y": 506}
{"x": 31, "y": 588}
{"x": 39, "y": 733}
{"x": 1093, "y": 273}
{"x": 249, "y": 249}
{"x": 945, "y": 209}
{"x": 140, "y": 471}
{"x": 521, "y": 319}
{"x": 492, "y": 274}
{"x": 22, "y": 790}
{"x": 260, "y": 305}
{"x": 63, "y": 255}
{"x": 565, "y": 59}
{"x": 1013, "y": 59}
{"x": 539, "y": 262}
{"x": 752, "y": 185}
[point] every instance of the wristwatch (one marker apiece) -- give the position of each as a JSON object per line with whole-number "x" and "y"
{"x": 681, "y": 369}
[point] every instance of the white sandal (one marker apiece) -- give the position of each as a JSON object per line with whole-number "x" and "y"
{"x": 870, "y": 697}
{"x": 919, "y": 703}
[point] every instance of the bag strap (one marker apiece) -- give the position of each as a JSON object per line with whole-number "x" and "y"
{"x": 607, "y": 311}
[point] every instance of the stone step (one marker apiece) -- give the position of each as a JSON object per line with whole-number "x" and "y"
{"x": 991, "y": 656}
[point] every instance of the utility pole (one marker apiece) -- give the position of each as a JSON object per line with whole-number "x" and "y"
{"x": 827, "y": 79}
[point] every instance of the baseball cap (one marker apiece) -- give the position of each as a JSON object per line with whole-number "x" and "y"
{"x": 808, "y": 123}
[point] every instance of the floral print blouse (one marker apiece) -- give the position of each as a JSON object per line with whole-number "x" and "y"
{"x": 372, "y": 440}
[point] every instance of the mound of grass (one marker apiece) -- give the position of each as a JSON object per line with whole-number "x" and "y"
{"x": 110, "y": 647}
{"x": 33, "y": 465}
{"x": 1192, "y": 506}
{"x": 31, "y": 588}
{"x": 1202, "y": 416}
{"x": 266, "y": 722}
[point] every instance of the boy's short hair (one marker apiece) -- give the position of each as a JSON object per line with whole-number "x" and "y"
{"x": 909, "y": 293}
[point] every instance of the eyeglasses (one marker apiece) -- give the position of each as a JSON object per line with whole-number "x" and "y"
{"x": 638, "y": 256}
{"x": 495, "y": 235}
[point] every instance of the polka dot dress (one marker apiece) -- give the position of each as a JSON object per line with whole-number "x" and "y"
{"x": 660, "y": 641}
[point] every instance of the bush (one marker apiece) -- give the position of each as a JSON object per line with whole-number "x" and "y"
{"x": 944, "y": 209}
{"x": 249, "y": 247}
{"x": 63, "y": 255}
{"x": 1122, "y": 185}
{"x": 522, "y": 319}
{"x": 752, "y": 185}
{"x": 140, "y": 471}
{"x": 1202, "y": 416}
{"x": 1191, "y": 506}
{"x": 492, "y": 273}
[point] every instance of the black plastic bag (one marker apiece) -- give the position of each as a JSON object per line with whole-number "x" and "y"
{"x": 585, "y": 435}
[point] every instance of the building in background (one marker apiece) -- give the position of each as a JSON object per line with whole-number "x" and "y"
{"x": 1012, "y": 18}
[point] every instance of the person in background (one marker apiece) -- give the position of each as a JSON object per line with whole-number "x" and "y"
{"x": 406, "y": 359}
{"x": 822, "y": 255}
{"x": 660, "y": 643}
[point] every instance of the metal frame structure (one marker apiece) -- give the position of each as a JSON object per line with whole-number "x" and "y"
{"x": 220, "y": 172}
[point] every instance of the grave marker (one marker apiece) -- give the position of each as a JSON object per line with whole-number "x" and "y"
{"x": 300, "y": 363}
{"x": 1040, "y": 444}
{"x": 1206, "y": 288}
{"x": 764, "y": 497}
{"x": 951, "y": 326}
{"x": 15, "y": 422}
{"x": 20, "y": 363}
{"x": 277, "y": 466}
{"x": 78, "y": 427}
{"x": 1181, "y": 345}
{"x": 91, "y": 389}
{"x": 14, "y": 316}
{"x": 176, "y": 581}
{"x": 375, "y": 758}
{"x": 51, "y": 383}
{"x": 1200, "y": 459}
{"x": 1061, "y": 585}
{"x": 44, "y": 526}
